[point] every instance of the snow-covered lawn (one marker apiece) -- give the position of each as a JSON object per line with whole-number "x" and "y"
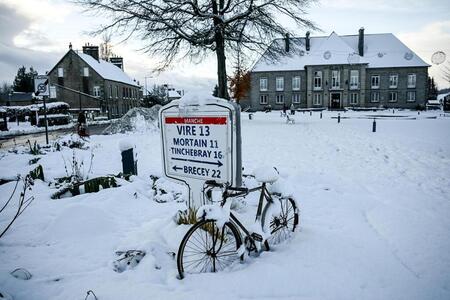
{"x": 374, "y": 224}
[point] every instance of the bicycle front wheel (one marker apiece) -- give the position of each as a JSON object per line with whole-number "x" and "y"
{"x": 281, "y": 224}
{"x": 208, "y": 248}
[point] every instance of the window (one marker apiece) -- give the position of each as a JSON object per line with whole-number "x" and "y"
{"x": 393, "y": 81}
{"x": 86, "y": 72}
{"x": 117, "y": 91}
{"x": 60, "y": 72}
{"x": 353, "y": 98}
{"x": 52, "y": 92}
{"x": 296, "y": 98}
{"x": 335, "y": 79}
{"x": 279, "y": 99}
{"x": 375, "y": 97}
{"x": 317, "y": 99}
{"x": 296, "y": 83}
{"x": 279, "y": 83}
{"x": 354, "y": 79}
{"x": 96, "y": 91}
{"x": 411, "y": 80}
{"x": 263, "y": 84}
{"x": 263, "y": 99}
{"x": 376, "y": 81}
{"x": 110, "y": 91}
{"x": 318, "y": 80}
{"x": 411, "y": 96}
{"x": 392, "y": 96}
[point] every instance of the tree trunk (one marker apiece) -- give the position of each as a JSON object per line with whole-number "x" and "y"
{"x": 221, "y": 66}
{"x": 220, "y": 52}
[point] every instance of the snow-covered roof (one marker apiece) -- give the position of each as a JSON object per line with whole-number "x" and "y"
{"x": 442, "y": 96}
{"x": 106, "y": 69}
{"x": 380, "y": 51}
{"x": 173, "y": 94}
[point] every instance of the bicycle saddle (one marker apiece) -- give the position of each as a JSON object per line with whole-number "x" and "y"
{"x": 266, "y": 174}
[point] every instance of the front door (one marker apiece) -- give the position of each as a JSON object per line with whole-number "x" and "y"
{"x": 335, "y": 100}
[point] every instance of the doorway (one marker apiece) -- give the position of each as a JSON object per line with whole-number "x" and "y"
{"x": 335, "y": 100}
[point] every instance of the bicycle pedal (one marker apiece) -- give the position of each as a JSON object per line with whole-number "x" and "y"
{"x": 257, "y": 237}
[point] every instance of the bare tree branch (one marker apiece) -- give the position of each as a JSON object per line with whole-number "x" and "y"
{"x": 175, "y": 29}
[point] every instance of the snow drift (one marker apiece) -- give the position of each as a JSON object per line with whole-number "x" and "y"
{"x": 138, "y": 119}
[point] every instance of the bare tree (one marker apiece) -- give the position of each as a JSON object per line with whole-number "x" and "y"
{"x": 5, "y": 87}
{"x": 174, "y": 29}
{"x": 105, "y": 46}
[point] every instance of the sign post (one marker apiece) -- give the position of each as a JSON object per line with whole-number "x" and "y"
{"x": 41, "y": 89}
{"x": 200, "y": 143}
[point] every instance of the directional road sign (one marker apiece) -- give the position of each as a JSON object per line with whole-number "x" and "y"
{"x": 202, "y": 143}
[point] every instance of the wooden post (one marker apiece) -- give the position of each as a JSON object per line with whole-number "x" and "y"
{"x": 374, "y": 126}
{"x": 339, "y": 118}
{"x": 321, "y": 115}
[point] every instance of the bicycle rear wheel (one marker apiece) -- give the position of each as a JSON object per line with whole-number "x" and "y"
{"x": 283, "y": 223}
{"x": 208, "y": 248}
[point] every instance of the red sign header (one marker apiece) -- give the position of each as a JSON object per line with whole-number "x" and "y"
{"x": 197, "y": 120}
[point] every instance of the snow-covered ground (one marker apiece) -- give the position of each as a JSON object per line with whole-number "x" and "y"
{"x": 375, "y": 217}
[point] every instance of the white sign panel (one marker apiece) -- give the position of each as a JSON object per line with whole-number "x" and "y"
{"x": 198, "y": 146}
{"x": 41, "y": 85}
{"x": 201, "y": 143}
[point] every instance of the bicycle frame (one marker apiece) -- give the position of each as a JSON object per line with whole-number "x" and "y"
{"x": 263, "y": 195}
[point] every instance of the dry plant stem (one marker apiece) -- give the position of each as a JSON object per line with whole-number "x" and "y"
{"x": 23, "y": 204}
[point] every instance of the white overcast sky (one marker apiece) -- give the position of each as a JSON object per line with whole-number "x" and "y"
{"x": 37, "y": 33}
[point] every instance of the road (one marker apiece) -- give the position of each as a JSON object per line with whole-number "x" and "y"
{"x": 10, "y": 142}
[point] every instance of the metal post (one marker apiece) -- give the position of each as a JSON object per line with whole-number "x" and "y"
{"x": 374, "y": 126}
{"x": 339, "y": 118}
{"x": 79, "y": 95}
{"x": 321, "y": 115}
{"x": 45, "y": 120}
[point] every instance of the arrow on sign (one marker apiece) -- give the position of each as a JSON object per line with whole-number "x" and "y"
{"x": 175, "y": 168}
{"x": 218, "y": 163}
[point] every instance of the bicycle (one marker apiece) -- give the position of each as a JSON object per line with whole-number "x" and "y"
{"x": 209, "y": 246}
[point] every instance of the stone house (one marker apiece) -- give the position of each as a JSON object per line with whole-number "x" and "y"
{"x": 88, "y": 83}
{"x": 335, "y": 72}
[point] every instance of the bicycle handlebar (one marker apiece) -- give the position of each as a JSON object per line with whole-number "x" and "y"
{"x": 229, "y": 188}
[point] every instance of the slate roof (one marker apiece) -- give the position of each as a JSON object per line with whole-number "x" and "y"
{"x": 106, "y": 69}
{"x": 380, "y": 51}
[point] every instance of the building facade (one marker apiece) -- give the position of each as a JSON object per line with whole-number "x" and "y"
{"x": 337, "y": 72}
{"x": 88, "y": 83}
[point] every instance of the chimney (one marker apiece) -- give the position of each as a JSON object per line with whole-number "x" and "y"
{"x": 91, "y": 50}
{"x": 286, "y": 42}
{"x": 361, "y": 42}
{"x": 70, "y": 46}
{"x": 117, "y": 61}
{"x": 308, "y": 45}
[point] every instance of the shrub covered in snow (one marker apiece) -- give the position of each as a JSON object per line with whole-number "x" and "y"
{"x": 72, "y": 141}
{"x": 167, "y": 191}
